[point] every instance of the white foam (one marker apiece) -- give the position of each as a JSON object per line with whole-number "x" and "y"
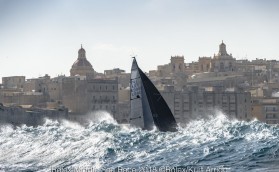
{"x": 56, "y": 144}
{"x": 100, "y": 116}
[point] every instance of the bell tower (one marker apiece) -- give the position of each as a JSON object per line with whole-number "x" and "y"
{"x": 81, "y": 53}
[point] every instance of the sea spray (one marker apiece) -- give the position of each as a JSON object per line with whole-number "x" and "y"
{"x": 213, "y": 142}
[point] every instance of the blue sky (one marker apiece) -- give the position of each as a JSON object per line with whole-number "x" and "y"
{"x": 39, "y": 37}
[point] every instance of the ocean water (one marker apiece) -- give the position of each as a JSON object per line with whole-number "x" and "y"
{"x": 214, "y": 144}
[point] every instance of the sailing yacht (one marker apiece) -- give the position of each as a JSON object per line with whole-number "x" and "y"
{"x": 148, "y": 107}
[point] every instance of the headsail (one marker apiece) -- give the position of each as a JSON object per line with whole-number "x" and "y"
{"x": 148, "y": 107}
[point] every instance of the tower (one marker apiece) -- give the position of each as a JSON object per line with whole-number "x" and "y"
{"x": 222, "y": 49}
{"x": 223, "y": 62}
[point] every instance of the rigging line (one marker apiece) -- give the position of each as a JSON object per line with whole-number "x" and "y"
{"x": 156, "y": 94}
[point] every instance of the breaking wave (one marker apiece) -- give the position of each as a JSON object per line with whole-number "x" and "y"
{"x": 102, "y": 144}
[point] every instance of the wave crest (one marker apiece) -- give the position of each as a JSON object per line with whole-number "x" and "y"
{"x": 217, "y": 140}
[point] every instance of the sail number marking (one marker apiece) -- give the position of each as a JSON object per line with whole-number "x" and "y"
{"x": 135, "y": 89}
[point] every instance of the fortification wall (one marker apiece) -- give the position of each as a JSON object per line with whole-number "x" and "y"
{"x": 30, "y": 117}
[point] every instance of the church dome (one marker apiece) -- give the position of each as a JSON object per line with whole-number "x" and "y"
{"x": 81, "y": 66}
{"x": 82, "y": 62}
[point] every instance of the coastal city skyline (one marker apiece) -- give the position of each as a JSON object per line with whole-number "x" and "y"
{"x": 139, "y": 85}
{"x": 42, "y": 37}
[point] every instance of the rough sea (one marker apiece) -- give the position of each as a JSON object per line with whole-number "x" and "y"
{"x": 214, "y": 144}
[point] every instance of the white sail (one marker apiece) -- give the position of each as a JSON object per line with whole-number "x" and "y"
{"x": 136, "y": 114}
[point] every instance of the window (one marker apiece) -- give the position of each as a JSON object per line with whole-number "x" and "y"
{"x": 221, "y": 65}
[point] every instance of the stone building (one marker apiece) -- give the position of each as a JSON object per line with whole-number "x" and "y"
{"x": 220, "y": 70}
{"x": 17, "y": 91}
{"x": 204, "y": 64}
{"x": 13, "y": 97}
{"x": 102, "y": 94}
{"x": 55, "y": 88}
{"x": 36, "y": 84}
{"x": 82, "y": 95}
{"x": 216, "y": 79}
{"x": 13, "y": 82}
{"x": 123, "y": 115}
{"x": 82, "y": 66}
{"x": 114, "y": 72}
{"x": 80, "y": 92}
{"x": 74, "y": 94}
{"x": 193, "y": 68}
{"x": 223, "y": 62}
{"x": 85, "y": 90}
{"x": 259, "y": 70}
{"x": 195, "y": 102}
{"x": 266, "y": 110}
{"x": 177, "y": 64}
{"x": 172, "y": 73}
{"x": 122, "y": 77}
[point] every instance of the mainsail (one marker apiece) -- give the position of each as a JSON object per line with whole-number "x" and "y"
{"x": 148, "y": 107}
